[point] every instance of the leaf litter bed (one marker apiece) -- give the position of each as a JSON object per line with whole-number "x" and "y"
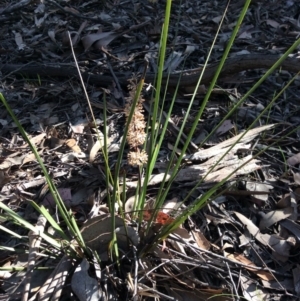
{"x": 244, "y": 244}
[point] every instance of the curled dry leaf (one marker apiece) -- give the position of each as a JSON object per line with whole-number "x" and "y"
{"x": 293, "y": 160}
{"x": 250, "y": 266}
{"x": 102, "y": 39}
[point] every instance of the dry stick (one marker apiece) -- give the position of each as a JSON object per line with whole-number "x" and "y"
{"x": 115, "y": 80}
{"x": 69, "y": 12}
{"x": 77, "y": 15}
{"x": 189, "y": 78}
{"x": 16, "y": 71}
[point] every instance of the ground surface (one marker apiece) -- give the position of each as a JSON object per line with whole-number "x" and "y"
{"x": 254, "y": 222}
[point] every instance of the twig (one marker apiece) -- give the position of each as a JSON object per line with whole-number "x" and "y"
{"x": 120, "y": 90}
{"x": 188, "y": 78}
{"x": 14, "y": 7}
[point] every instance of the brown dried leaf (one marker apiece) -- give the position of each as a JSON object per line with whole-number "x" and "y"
{"x": 201, "y": 240}
{"x": 72, "y": 144}
{"x": 250, "y": 266}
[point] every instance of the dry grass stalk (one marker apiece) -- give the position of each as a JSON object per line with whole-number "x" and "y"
{"x": 136, "y": 134}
